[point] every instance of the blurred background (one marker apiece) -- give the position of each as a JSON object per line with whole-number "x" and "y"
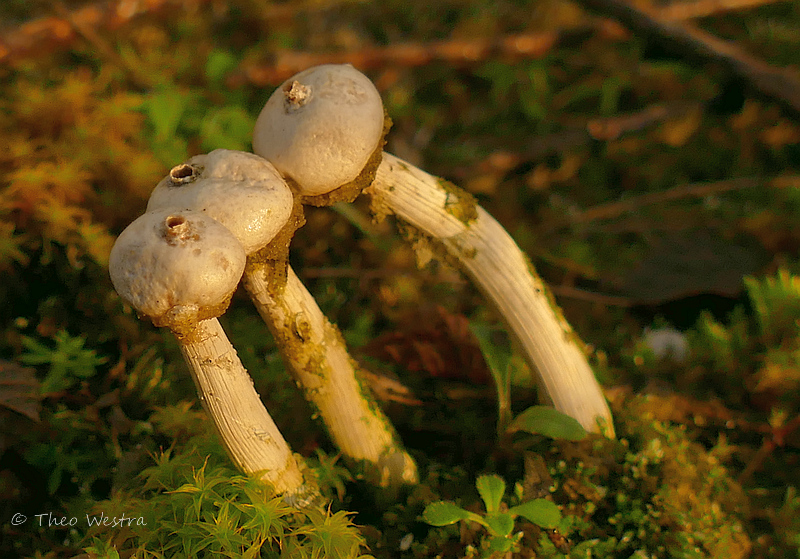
{"x": 648, "y": 162}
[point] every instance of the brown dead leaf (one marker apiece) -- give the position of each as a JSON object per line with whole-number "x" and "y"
{"x": 19, "y": 389}
{"x": 433, "y": 341}
{"x": 781, "y": 134}
{"x": 388, "y": 389}
{"x": 697, "y": 260}
{"x": 677, "y": 132}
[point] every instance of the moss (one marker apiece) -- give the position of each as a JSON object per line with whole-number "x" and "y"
{"x": 654, "y": 491}
{"x": 467, "y": 252}
{"x": 459, "y": 203}
{"x": 191, "y": 492}
{"x": 378, "y": 206}
{"x": 426, "y": 247}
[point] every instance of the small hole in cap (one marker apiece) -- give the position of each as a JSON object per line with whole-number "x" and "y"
{"x": 176, "y": 228}
{"x": 175, "y": 221}
{"x": 183, "y": 174}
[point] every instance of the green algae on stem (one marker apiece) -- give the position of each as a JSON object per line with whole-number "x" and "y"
{"x": 488, "y": 254}
{"x": 317, "y": 357}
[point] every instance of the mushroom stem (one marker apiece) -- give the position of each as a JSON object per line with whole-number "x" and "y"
{"x": 246, "y": 429}
{"x": 317, "y": 357}
{"x": 449, "y": 216}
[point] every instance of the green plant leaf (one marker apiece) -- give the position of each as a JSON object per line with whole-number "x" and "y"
{"x": 497, "y": 358}
{"x": 500, "y": 524}
{"x": 443, "y": 513}
{"x": 500, "y": 543}
{"x": 164, "y": 109}
{"x": 543, "y": 420}
{"x": 541, "y": 512}
{"x": 226, "y": 127}
{"x": 491, "y": 489}
{"x": 499, "y": 361}
{"x": 219, "y": 63}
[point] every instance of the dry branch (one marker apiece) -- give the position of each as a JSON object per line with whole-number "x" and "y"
{"x": 686, "y": 10}
{"x": 615, "y": 209}
{"x": 603, "y": 129}
{"x": 52, "y": 33}
{"x": 455, "y": 52}
{"x": 780, "y": 84}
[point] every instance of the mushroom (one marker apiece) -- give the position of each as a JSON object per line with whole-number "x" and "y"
{"x": 240, "y": 190}
{"x": 449, "y": 217}
{"x": 445, "y": 216}
{"x": 180, "y": 268}
{"x": 247, "y": 195}
{"x": 323, "y": 129}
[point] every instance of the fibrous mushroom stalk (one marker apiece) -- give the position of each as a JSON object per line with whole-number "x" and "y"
{"x": 317, "y": 356}
{"x": 488, "y": 254}
{"x": 246, "y": 429}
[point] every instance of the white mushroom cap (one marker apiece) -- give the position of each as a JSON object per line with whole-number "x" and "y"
{"x": 176, "y": 267}
{"x": 320, "y": 127}
{"x": 242, "y": 191}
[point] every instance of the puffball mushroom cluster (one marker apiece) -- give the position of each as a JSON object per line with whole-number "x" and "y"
{"x": 229, "y": 216}
{"x": 247, "y": 197}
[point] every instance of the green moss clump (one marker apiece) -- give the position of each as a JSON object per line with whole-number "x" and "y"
{"x": 652, "y": 493}
{"x": 192, "y": 504}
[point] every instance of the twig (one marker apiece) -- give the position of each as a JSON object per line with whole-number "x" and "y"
{"x": 455, "y": 51}
{"x": 584, "y": 295}
{"x": 614, "y": 210}
{"x": 776, "y": 439}
{"x": 48, "y": 34}
{"x": 598, "y": 129}
{"x": 780, "y": 84}
{"x": 682, "y": 11}
{"x": 51, "y": 33}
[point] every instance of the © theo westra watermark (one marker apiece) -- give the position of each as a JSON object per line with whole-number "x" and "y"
{"x": 50, "y": 520}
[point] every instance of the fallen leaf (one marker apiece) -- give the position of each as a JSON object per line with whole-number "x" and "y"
{"x": 19, "y": 389}
{"x": 436, "y": 342}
